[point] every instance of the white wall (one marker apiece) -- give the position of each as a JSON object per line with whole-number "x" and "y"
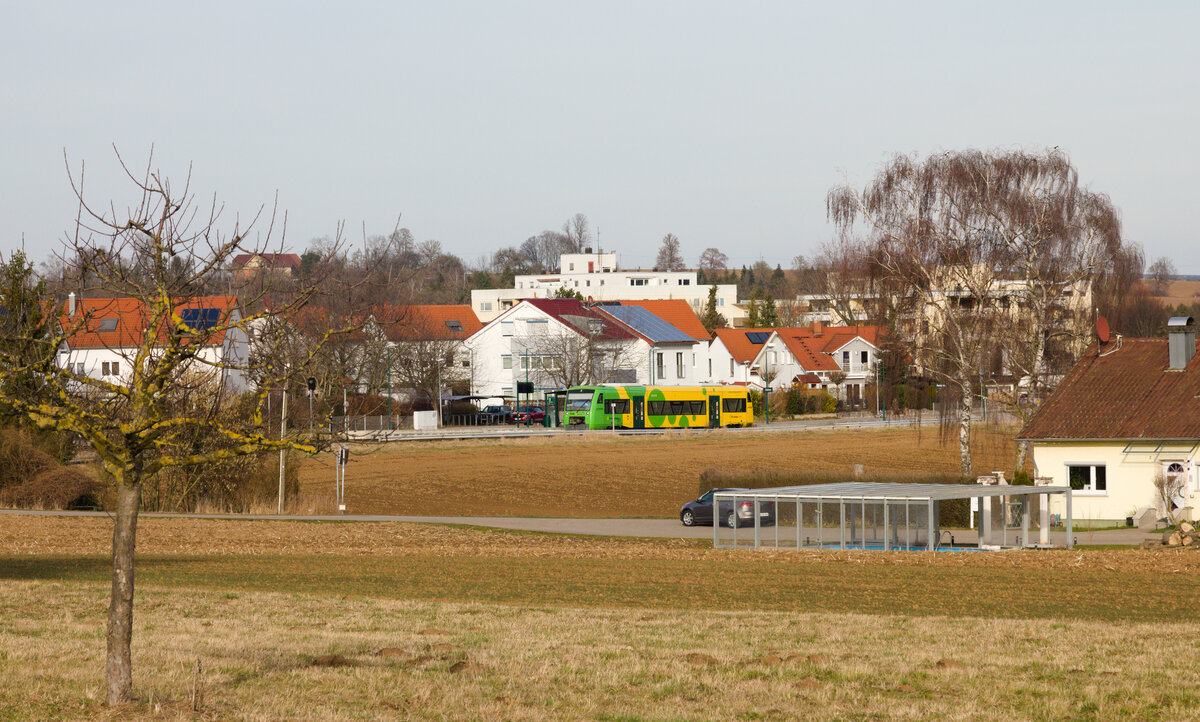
{"x": 1130, "y": 478}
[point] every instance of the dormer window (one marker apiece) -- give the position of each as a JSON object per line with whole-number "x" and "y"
{"x": 455, "y": 326}
{"x": 107, "y": 325}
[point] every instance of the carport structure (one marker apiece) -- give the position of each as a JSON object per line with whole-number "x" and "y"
{"x": 879, "y": 515}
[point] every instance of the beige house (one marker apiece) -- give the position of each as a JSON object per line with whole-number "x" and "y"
{"x": 1128, "y": 411}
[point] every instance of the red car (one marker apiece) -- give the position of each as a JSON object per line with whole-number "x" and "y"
{"x": 534, "y": 414}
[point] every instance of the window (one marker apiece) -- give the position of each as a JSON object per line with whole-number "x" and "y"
{"x": 616, "y": 406}
{"x": 110, "y": 368}
{"x": 506, "y": 328}
{"x": 601, "y": 281}
{"x": 864, "y": 356}
{"x": 107, "y": 324}
{"x": 675, "y": 408}
{"x": 731, "y": 367}
{"x": 1087, "y": 477}
{"x": 710, "y": 368}
{"x": 720, "y": 302}
{"x": 485, "y": 305}
{"x": 659, "y": 365}
{"x": 685, "y": 282}
{"x": 845, "y": 360}
{"x": 570, "y": 266}
{"x": 679, "y": 365}
{"x": 733, "y": 406}
{"x": 637, "y": 282}
{"x": 79, "y": 369}
{"x": 455, "y": 326}
{"x": 588, "y": 283}
{"x": 507, "y": 362}
{"x": 466, "y": 363}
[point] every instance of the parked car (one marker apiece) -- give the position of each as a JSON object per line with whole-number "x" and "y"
{"x": 496, "y": 415}
{"x": 535, "y": 415}
{"x": 700, "y": 511}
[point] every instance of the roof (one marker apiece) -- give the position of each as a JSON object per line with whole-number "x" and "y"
{"x": 809, "y": 378}
{"x": 646, "y": 324}
{"x": 270, "y": 260}
{"x": 739, "y": 346}
{"x": 676, "y": 312}
{"x": 426, "y": 323}
{"x": 895, "y": 490}
{"x": 121, "y": 322}
{"x": 808, "y": 352}
{"x": 579, "y": 317}
{"x": 1125, "y": 392}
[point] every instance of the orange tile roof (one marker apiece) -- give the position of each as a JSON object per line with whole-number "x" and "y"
{"x": 809, "y": 353}
{"x": 424, "y": 323}
{"x": 676, "y": 312}
{"x": 130, "y": 316}
{"x": 740, "y": 347}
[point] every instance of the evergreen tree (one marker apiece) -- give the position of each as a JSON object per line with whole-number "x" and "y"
{"x": 711, "y": 319}
{"x": 754, "y": 312}
{"x": 768, "y": 315}
{"x": 564, "y": 292}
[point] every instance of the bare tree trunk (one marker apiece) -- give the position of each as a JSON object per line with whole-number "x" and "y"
{"x": 1022, "y": 455}
{"x": 119, "y": 667}
{"x": 964, "y": 430}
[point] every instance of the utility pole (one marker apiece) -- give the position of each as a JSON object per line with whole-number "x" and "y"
{"x": 389, "y": 382}
{"x": 282, "y": 452}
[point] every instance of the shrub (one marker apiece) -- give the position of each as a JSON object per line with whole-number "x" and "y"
{"x": 56, "y": 487}
{"x": 30, "y": 476}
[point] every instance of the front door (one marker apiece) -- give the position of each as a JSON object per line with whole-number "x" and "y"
{"x": 1176, "y": 475}
{"x": 639, "y": 411}
{"x": 714, "y": 411}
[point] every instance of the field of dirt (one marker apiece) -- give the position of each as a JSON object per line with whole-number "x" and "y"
{"x": 605, "y": 476}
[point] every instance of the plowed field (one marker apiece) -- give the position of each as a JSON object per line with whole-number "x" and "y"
{"x": 613, "y": 476}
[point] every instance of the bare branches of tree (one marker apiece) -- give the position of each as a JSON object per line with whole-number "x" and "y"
{"x": 670, "y": 257}
{"x": 713, "y": 260}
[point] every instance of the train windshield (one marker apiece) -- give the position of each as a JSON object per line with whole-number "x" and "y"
{"x": 580, "y": 400}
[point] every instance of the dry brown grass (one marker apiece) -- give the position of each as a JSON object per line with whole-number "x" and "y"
{"x": 601, "y": 475}
{"x": 483, "y": 661}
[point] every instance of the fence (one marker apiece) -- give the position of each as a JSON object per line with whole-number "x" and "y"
{"x": 371, "y": 422}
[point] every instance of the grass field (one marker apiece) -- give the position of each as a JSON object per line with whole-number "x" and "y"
{"x": 409, "y": 621}
{"x": 602, "y": 475}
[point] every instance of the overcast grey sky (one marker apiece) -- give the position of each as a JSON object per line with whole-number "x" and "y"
{"x": 485, "y": 123}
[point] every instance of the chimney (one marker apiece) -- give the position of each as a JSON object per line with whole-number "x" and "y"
{"x": 1181, "y": 343}
{"x": 817, "y": 331}
{"x": 588, "y": 249}
{"x": 71, "y": 303}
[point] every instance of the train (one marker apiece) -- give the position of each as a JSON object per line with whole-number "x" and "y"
{"x": 657, "y": 407}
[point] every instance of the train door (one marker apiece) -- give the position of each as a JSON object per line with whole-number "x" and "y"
{"x": 714, "y": 411}
{"x": 639, "y": 411}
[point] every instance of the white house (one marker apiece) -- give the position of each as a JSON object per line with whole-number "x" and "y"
{"x": 731, "y": 354}
{"x": 792, "y": 355}
{"x": 559, "y": 342}
{"x": 1128, "y": 411}
{"x": 596, "y": 277}
{"x": 104, "y": 336}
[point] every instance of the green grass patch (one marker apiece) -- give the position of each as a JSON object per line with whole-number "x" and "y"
{"x": 707, "y": 584}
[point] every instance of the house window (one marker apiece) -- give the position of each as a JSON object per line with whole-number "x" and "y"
{"x": 720, "y": 302}
{"x": 660, "y": 366}
{"x": 863, "y": 356}
{"x": 110, "y": 368}
{"x": 588, "y": 283}
{"x": 637, "y": 282}
{"x": 845, "y": 360}
{"x": 710, "y": 368}
{"x": 79, "y": 369}
{"x": 485, "y": 305}
{"x": 570, "y": 266}
{"x": 506, "y": 328}
{"x": 1087, "y": 477}
{"x": 455, "y": 326}
{"x": 679, "y": 365}
{"x": 106, "y": 325}
{"x": 507, "y": 362}
{"x": 731, "y": 367}
{"x": 685, "y": 282}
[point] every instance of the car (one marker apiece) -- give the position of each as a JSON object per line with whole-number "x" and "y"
{"x": 496, "y": 415}
{"x": 700, "y": 511}
{"x": 534, "y": 413}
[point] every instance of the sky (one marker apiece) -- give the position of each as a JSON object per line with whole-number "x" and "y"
{"x": 482, "y": 124}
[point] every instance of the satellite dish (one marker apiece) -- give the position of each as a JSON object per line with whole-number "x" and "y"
{"x": 1102, "y": 331}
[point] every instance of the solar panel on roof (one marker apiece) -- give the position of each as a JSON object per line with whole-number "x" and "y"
{"x": 455, "y": 326}
{"x": 200, "y": 319}
{"x": 648, "y": 325}
{"x": 758, "y": 336}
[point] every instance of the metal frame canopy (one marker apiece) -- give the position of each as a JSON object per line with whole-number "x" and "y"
{"x": 896, "y": 511}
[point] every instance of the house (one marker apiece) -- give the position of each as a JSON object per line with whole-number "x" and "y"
{"x": 104, "y": 336}
{"x": 426, "y": 345}
{"x": 555, "y": 343}
{"x": 249, "y": 265}
{"x": 793, "y": 355}
{"x": 1128, "y": 411}
{"x": 731, "y": 354}
{"x": 597, "y": 277}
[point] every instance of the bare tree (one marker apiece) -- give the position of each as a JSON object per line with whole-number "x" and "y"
{"x": 933, "y": 232}
{"x": 670, "y": 258}
{"x": 139, "y": 423}
{"x": 427, "y": 353}
{"x": 563, "y": 360}
{"x": 846, "y": 277}
{"x": 577, "y": 233}
{"x": 713, "y": 260}
{"x": 1161, "y": 272}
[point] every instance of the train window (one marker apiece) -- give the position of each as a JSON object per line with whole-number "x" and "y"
{"x": 733, "y": 406}
{"x": 657, "y": 408}
{"x": 616, "y": 406}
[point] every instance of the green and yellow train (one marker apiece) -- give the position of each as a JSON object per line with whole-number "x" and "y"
{"x": 658, "y": 407}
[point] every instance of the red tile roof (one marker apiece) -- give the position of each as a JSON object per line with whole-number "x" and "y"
{"x": 576, "y": 315}
{"x": 676, "y": 312}
{"x": 129, "y": 317}
{"x": 1126, "y": 393}
{"x": 738, "y": 345}
{"x": 424, "y": 323}
{"x": 808, "y": 352}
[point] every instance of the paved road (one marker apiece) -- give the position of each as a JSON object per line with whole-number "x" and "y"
{"x": 655, "y": 528}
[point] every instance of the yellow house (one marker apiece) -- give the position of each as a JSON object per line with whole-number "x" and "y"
{"x": 1126, "y": 413}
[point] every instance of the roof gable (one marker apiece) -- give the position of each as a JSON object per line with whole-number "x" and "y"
{"x": 1124, "y": 392}
{"x": 580, "y": 318}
